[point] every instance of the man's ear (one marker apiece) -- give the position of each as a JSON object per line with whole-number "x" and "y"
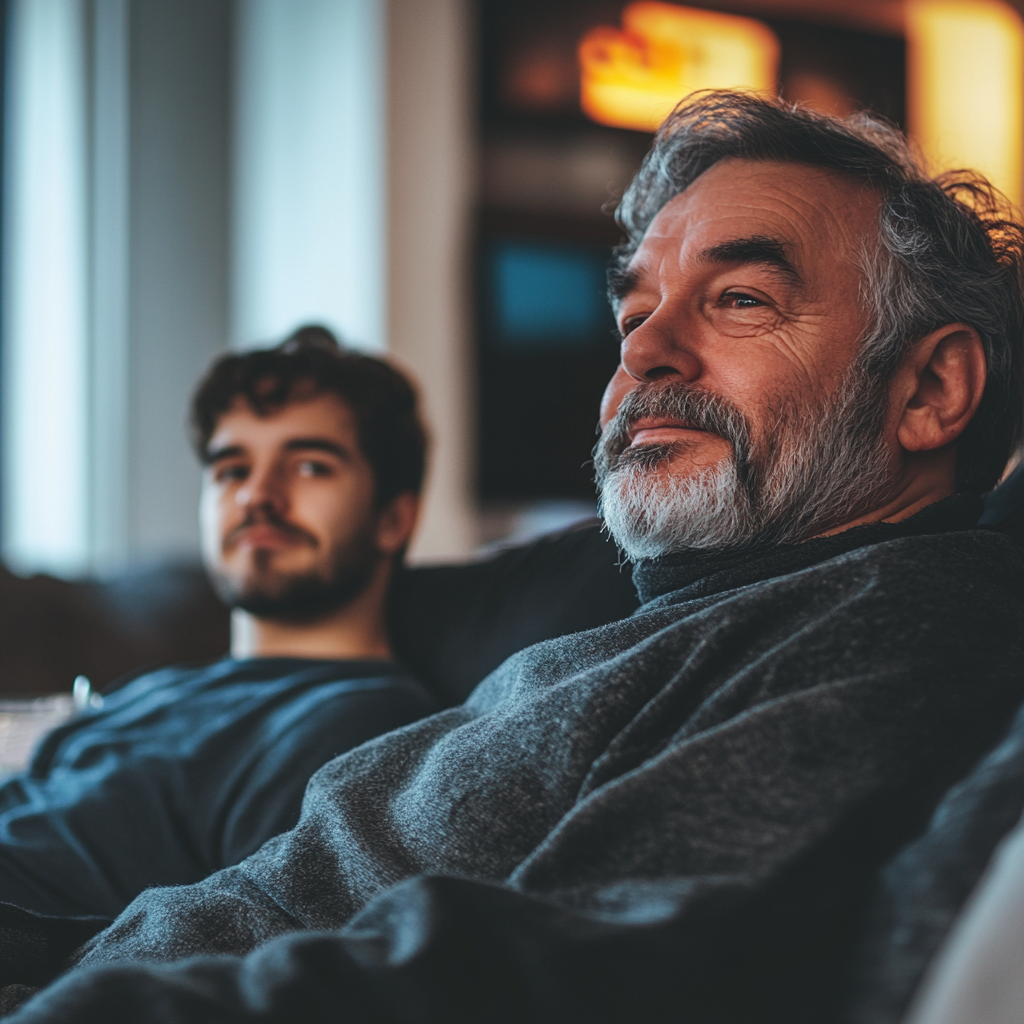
{"x": 395, "y": 523}
{"x": 940, "y": 386}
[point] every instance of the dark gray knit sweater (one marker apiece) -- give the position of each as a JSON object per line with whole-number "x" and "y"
{"x": 676, "y": 816}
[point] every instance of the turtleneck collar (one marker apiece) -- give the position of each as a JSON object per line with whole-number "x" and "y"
{"x": 700, "y": 573}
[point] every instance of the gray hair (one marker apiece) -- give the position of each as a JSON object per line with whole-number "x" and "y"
{"x": 948, "y": 248}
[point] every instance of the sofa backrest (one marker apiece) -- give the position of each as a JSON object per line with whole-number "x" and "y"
{"x": 453, "y": 624}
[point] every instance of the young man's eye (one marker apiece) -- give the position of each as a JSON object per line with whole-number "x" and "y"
{"x": 230, "y": 474}
{"x": 313, "y": 467}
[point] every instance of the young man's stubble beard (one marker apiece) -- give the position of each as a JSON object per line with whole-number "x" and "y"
{"x": 814, "y": 467}
{"x": 290, "y": 596}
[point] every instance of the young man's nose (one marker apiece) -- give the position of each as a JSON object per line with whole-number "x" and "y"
{"x": 262, "y": 488}
{"x": 659, "y": 348}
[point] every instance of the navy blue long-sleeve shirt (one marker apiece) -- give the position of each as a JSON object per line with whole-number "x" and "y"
{"x": 184, "y": 772}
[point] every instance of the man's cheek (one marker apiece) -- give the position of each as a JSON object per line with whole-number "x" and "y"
{"x": 211, "y": 525}
{"x": 618, "y": 387}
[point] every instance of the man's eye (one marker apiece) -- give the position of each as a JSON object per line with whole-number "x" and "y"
{"x": 313, "y": 467}
{"x": 631, "y": 323}
{"x": 231, "y": 474}
{"x": 740, "y": 300}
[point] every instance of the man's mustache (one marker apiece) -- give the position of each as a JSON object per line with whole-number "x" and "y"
{"x": 266, "y": 516}
{"x": 671, "y": 400}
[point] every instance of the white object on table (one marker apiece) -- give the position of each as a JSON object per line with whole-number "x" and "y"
{"x": 23, "y": 723}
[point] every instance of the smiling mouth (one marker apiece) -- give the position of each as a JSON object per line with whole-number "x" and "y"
{"x": 655, "y": 430}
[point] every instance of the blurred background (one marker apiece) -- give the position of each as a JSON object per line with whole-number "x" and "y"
{"x": 433, "y": 179}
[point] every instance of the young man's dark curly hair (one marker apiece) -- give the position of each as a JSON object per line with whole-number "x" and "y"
{"x": 310, "y": 362}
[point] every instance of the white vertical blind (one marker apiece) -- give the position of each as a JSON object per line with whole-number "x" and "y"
{"x": 309, "y": 188}
{"x": 45, "y": 409}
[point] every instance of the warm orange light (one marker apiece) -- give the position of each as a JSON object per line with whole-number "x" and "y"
{"x": 632, "y": 77}
{"x": 965, "y": 87}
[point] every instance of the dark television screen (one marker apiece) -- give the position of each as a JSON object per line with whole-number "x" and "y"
{"x": 547, "y": 296}
{"x": 548, "y": 349}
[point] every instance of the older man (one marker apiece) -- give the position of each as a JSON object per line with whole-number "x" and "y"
{"x": 679, "y": 815}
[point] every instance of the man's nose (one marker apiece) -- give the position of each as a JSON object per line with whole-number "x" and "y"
{"x": 658, "y": 348}
{"x": 262, "y": 489}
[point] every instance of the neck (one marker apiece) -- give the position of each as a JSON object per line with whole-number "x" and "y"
{"x": 357, "y": 630}
{"x": 927, "y": 478}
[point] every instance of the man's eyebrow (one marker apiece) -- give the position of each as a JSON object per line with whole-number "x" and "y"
{"x": 318, "y": 444}
{"x": 228, "y": 451}
{"x": 621, "y": 283}
{"x": 762, "y": 249}
{"x": 296, "y": 444}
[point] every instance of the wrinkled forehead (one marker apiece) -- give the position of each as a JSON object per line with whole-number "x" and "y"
{"x": 819, "y": 217}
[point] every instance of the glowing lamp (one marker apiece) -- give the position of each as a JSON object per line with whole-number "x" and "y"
{"x": 632, "y": 77}
{"x": 965, "y": 87}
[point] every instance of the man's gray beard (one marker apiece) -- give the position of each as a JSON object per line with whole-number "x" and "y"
{"x": 305, "y": 597}
{"x": 815, "y": 469}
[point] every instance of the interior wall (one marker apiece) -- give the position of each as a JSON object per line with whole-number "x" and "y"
{"x": 180, "y": 88}
{"x": 107, "y": 384}
{"x": 198, "y": 280}
{"x": 353, "y": 187}
{"x": 431, "y": 188}
{"x": 363, "y": 125}
{"x": 116, "y": 280}
{"x": 308, "y": 236}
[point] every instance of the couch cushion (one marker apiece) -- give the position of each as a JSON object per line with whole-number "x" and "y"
{"x": 453, "y": 624}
